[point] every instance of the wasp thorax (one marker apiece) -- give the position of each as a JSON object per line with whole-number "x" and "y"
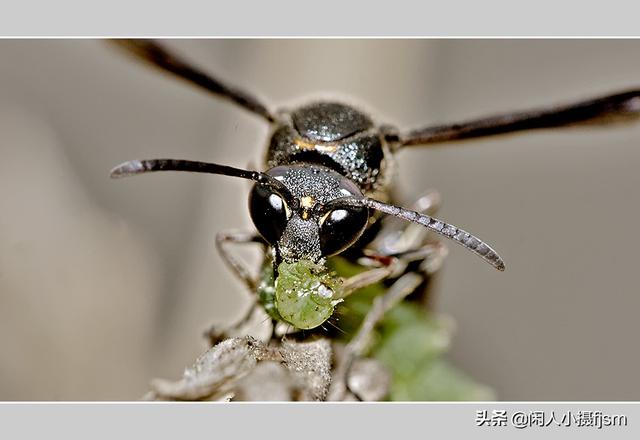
{"x": 308, "y": 222}
{"x": 329, "y": 121}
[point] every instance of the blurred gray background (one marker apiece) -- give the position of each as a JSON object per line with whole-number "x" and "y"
{"x": 105, "y": 284}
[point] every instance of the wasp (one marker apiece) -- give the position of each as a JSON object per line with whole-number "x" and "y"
{"x": 325, "y": 187}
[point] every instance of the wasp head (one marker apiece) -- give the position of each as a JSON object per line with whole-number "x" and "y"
{"x": 301, "y": 219}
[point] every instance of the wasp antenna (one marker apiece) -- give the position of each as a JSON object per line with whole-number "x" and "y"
{"x": 127, "y": 169}
{"x": 133, "y": 167}
{"x": 463, "y": 238}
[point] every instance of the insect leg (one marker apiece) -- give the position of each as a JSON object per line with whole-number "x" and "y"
{"x": 213, "y": 334}
{"x": 397, "y": 244}
{"x": 382, "y": 266}
{"x": 391, "y": 267}
{"x": 233, "y": 263}
{"x": 357, "y": 346}
{"x": 619, "y": 107}
{"x": 399, "y": 236}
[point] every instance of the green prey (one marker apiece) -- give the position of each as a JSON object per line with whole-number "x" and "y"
{"x": 304, "y": 294}
{"x": 410, "y": 341}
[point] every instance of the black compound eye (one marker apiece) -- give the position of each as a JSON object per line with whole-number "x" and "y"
{"x": 269, "y": 213}
{"x": 341, "y": 227}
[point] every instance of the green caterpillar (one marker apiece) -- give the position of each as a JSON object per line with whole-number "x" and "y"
{"x": 410, "y": 341}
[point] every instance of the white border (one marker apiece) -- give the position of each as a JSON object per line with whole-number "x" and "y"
{"x": 289, "y": 18}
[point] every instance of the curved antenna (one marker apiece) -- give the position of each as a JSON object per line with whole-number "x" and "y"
{"x": 462, "y": 237}
{"x": 155, "y": 55}
{"x": 604, "y": 110}
{"x": 134, "y": 167}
